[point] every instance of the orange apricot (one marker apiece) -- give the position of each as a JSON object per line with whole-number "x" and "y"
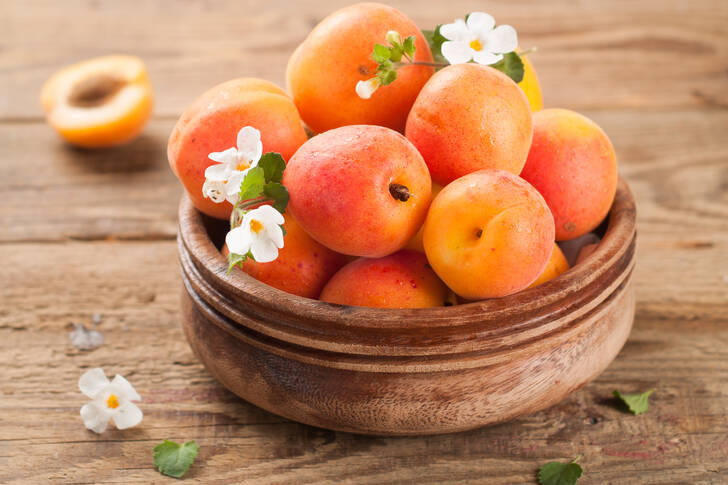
{"x": 573, "y": 165}
{"x": 470, "y": 117}
{"x": 101, "y": 102}
{"x": 401, "y": 280}
{"x": 323, "y": 71}
{"x": 488, "y": 234}
{"x": 530, "y": 85}
{"x": 416, "y": 242}
{"x": 556, "y": 265}
{"x": 303, "y": 266}
{"x": 360, "y": 190}
{"x": 211, "y": 124}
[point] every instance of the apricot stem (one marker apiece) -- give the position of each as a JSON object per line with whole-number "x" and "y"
{"x": 399, "y": 192}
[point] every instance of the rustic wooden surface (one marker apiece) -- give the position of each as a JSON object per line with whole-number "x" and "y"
{"x": 92, "y": 232}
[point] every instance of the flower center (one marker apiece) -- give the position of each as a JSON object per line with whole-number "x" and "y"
{"x": 476, "y": 45}
{"x": 112, "y": 401}
{"x": 255, "y": 226}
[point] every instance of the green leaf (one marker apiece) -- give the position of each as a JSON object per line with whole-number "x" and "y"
{"x": 396, "y": 53}
{"x": 273, "y": 166}
{"x": 435, "y": 39}
{"x": 387, "y": 77}
{"x": 409, "y": 46}
{"x": 173, "y": 459}
{"x": 279, "y": 194}
{"x": 557, "y": 473}
{"x": 283, "y": 230}
{"x": 637, "y": 403}
{"x": 511, "y": 65}
{"x": 252, "y": 184}
{"x": 381, "y": 53}
{"x": 234, "y": 260}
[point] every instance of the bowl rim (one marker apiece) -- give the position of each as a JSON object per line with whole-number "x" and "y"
{"x": 477, "y": 326}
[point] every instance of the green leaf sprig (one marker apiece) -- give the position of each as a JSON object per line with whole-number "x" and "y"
{"x": 261, "y": 185}
{"x": 389, "y": 57}
{"x": 557, "y": 473}
{"x": 173, "y": 459}
{"x": 636, "y": 403}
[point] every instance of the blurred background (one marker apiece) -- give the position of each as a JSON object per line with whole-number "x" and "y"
{"x": 93, "y": 232}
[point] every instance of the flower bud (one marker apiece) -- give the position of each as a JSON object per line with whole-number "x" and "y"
{"x": 394, "y": 38}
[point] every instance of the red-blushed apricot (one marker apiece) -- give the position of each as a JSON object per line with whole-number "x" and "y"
{"x": 470, "y": 117}
{"x": 303, "y": 266}
{"x": 488, "y": 234}
{"x": 101, "y": 102}
{"x": 360, "y": 190}
{"x": 323, "y": 71}
{"x": 416, "y": 242}
{"x": 573, "y": 165}
{"x": 211, "y": 124}
{"x": 556, "y": 265}
{"x": 401, "y": 280}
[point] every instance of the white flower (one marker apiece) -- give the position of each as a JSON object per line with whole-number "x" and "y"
{"x": 110, "y": 400}
{"x": 365, "y": 89}
{"x": 260, "y": 233}
{"x": 222, "y": 180}
{"x": 477, "y": 40}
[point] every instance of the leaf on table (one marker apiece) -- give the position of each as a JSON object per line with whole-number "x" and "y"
{"x": 173, "y": 459}
{"x": 557, "y": 473}
{"x": 637, "y": 403}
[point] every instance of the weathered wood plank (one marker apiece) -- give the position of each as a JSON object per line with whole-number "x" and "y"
{"x": 134, "y": 285}
{"x": 615, "y": 54}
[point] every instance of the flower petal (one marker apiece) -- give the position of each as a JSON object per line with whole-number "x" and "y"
{"x": 264, "y": 249}
{"x": 228, "y": 157}
{"x": 127, "y": 415}
{"x": 457, "y": 31}
{"x": 126, "y": 390}
{"x": 249, "y": 145}
{"x": 365, "y": 89}
{"x": 480, "y": 24}
{"x": 232, "y": 187}
{"x": 218, "y": 172}
{"x": 92, "y": 382}
{"x": 94, "y": 417}
{"x": 275, "y": 234}
{"x": 457, "y": 52}
{"x": 486, "y": 58}
{"x": 214, "y": 190}
{"x": 502, "y": 40}
{"x": 267, "y": 215}
{"x": 238, "y": 240}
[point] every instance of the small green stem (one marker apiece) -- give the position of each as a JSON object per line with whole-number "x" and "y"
{"x": 528, "y": 51}
{"x": 576, "y": 460}
{"x": 420, "y": 63}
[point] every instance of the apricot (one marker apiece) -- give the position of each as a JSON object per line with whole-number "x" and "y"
{"x": 323, "y": 71}
{"x": 530, "y": 85}
{"x": 211, "y": 124}
{"x": 360, "y": 190}
{"x": 488, "y": 234}
{"x": 416, "y": 242}
{"x": 573, "y": 165}
{"x": 303, "y": 266}
{"x": 101, "y": 102}
{"x": 556, "y": 265}
{"x": 470, "y": 117}
{"x": 401, "y": 280}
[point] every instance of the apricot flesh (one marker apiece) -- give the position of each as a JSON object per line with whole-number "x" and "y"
{"x": 101, "y": 102}
{"x": 573, "y": 165}
{"x": 470, "y": 117}
{"x": 488, "y": 234}
{"x": 303, "y": 266}
{"x": 401, "y": 280}
{"x": 212, "y": 122}
{"x": 360, "y": 190}
{"x": 323, "y": 71}
{"x": 556, "y": 265}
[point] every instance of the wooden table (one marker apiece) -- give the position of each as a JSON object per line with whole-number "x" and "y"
{"x": 86, "y": 233}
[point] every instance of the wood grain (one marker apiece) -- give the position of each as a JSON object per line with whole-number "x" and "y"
{"x": 652, "y": 73}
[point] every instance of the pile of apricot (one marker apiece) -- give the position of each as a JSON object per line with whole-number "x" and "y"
{"x": 442, "y": 183}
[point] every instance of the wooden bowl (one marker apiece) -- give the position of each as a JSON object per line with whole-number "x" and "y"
{"x": 412, "y": 371}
